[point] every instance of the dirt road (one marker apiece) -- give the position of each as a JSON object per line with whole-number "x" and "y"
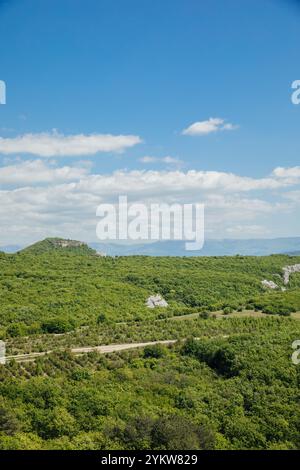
{"x": 105, "y": 349}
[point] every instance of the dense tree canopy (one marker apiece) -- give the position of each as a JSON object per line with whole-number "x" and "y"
{"x": 227, "y": 383}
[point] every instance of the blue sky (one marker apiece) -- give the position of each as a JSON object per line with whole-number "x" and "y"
{"x": 150, "y": 69}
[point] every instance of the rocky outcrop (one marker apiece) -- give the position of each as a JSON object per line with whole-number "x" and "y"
{"x": 101, "y": 254}
{"x": 2, "y": 352}
{"x": 288, "y": 270}
{"x": 67, "y": 243}
{"x": 269, "y": 284}
{"x": 156, "y": 301}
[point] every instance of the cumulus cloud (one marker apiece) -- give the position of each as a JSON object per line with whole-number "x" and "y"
{"x": 36, "y": 171}
{"x": 55, "y": 144}
{"x": 208, "y": 127}
{"x": 65, "y": 204}
{"x": 177, "y": 182}
{"x": 290, "y": 174}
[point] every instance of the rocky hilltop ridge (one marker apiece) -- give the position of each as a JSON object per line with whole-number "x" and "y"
{"x": 50, "y": 244}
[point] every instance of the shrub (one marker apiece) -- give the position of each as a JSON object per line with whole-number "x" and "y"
{"x": 227, "y": 310}
{"x": 204, "y": 315}
{"x": 101, "y": 318}
{"x": 154, "y": 351}
{"x": 58, "y": 325}
{"x": 15, "y": 330}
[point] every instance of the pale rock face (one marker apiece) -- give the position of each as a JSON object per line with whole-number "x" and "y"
{"x": 156, "y": 301}
{"x": 269, "y": 284}
{"x": 68, "y": 243}
{"x": 2, "y": 352}
{"x": 288, "y": 270}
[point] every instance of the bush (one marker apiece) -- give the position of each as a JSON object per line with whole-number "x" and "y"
{"x": 154, "y": 351}
{"x": 183, "y": 401}
{"x": 58, "y": 325}
{"x": 179, "y": 433}
{"x": 9, "y": 424}
{"x": 204, "y": 315}
{"x": 15, "y": 330}
{"x": 101, "y": 318}
{"x": 227, "y": 310}
{"x": 222, "y": 359}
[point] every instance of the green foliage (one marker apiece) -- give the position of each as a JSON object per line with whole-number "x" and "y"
{"x": 230, "y": 385}
{"x": 220, "y": 358}
{"x": 101, "y": 318}
{"x": 227, "y": 310}
{"x": 60, "y": 244}
{"x": 176, "y": 432}
{"x": 205, "y": 315}
{"x": 9, "y": 423}
{"x": 47, "y": 282}
{"x": 57, "y": 325}
{"x": 154, "y": 351}
{"x": 16, "y": 329}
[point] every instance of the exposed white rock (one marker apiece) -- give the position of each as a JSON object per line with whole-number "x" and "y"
{"x": 68, "y": 243}
{"x": 288, "y": 270}
{"x": 101, "y": 254}
{"x": 269, "y": 284}
{"x": 2, "y": 352}
{"x": 156, "y": 301}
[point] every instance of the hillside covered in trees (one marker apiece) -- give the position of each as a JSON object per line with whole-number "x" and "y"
{"x": 53, "y": 288}
{"x": 228, "y": 381}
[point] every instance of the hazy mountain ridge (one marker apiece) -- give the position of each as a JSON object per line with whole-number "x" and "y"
{"x": 226, "y": 247}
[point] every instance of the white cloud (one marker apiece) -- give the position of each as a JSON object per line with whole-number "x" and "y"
{"x": 57, "y": 145}
{"x": 207, "y": 127}
{"x": 36, "y": 171}
{"x": 65, "y": 205}
{"x": 291, "y": 174}
{"x": 171, "y": 161}
{"x": 177, "y": 182}
{"x": 293, "y": 196}
{"x": 148, "y": 159}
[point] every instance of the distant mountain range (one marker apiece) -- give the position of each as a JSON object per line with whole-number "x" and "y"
{"x": 226, "y": 247}
{"x": 10, "y": 248}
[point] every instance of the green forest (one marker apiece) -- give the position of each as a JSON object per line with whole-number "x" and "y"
{"x": 226, "y": 382}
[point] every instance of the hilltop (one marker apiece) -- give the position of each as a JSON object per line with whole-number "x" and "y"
{"x": 50, "y": 244}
